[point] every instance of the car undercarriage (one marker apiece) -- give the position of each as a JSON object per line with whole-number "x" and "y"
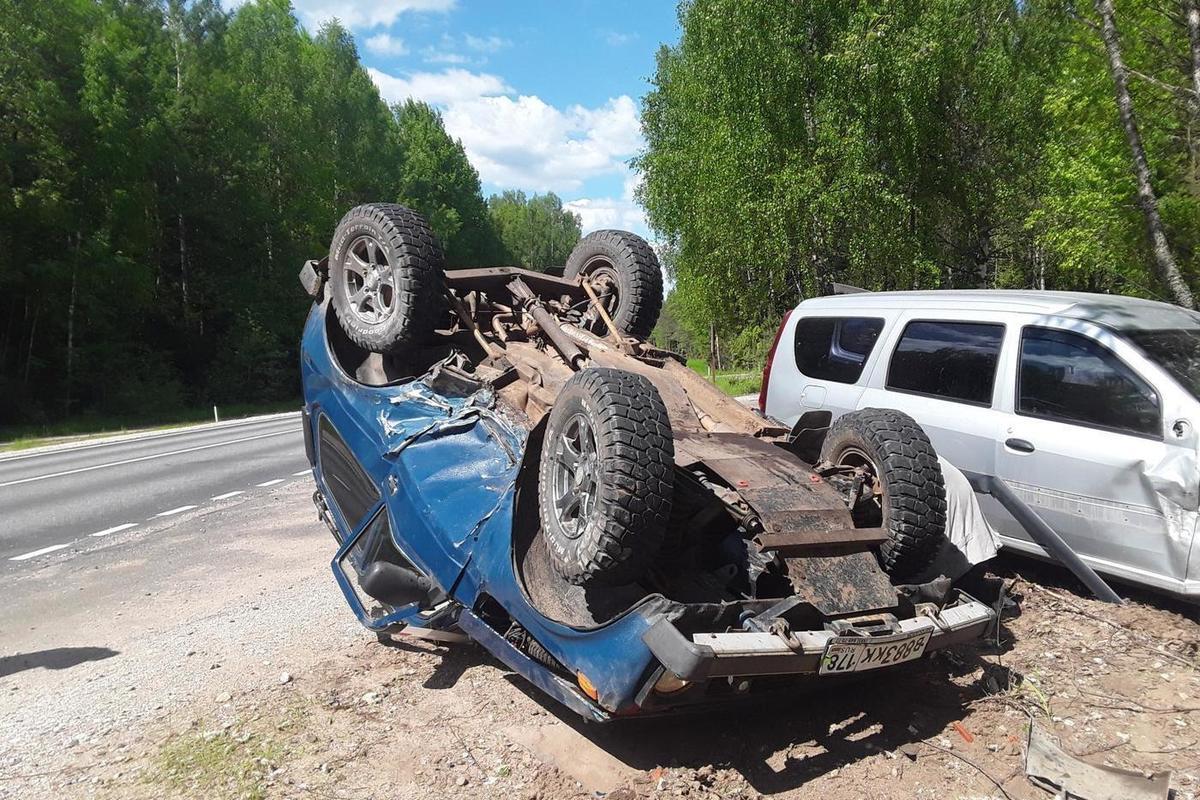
{"x": 638, "y": 489}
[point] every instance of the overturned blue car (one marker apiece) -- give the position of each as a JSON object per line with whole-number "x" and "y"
{"x": 500, "y": 453}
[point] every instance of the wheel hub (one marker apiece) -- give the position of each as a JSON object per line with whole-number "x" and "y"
{"x": 576, "y": 476}
{"x": 369, "y": 285}
{"x": 603, "y": 277}
{"x": 861, "y": 483}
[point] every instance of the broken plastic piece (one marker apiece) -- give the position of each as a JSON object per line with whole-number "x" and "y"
{"x": 1050, "y": 767}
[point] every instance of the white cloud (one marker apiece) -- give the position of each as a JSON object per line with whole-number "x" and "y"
{"x": 386, "y": 45}
{"x": 364, "y": 13}
{"x": 522, "y": 142}
{"x": 449, "y": 49}
{"x": 486, "y": 44}
{"x": 435, "y": 56}
{"x": 525, "y": 142}
{"x": 447, "y": 88}
{"x": 618, "y": 39}
{"x": 621, "y": 212}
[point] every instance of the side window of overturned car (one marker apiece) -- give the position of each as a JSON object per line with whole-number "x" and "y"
{"x": 950, "y": 360}
{"x": 351, "y": 489}
{"x": 835, "y": 348}
{"x": 1070, "y": 378}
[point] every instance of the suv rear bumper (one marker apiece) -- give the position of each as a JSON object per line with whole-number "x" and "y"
{"x": 745, "y": 653}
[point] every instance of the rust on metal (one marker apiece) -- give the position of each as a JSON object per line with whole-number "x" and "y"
{"x": 842, "y": 584}
{"x": 789, "y": 510}
{"x": 817, "y": 542}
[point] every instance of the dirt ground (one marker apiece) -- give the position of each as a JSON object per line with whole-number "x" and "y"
{"x": 320, "y": 709}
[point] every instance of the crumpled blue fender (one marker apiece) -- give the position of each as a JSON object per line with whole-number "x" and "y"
{"x": 447, "y": 470}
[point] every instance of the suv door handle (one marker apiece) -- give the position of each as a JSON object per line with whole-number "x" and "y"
{"x": 1020, "y": 445}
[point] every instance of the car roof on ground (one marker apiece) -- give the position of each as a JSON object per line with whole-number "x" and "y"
{"x": 1112, "y": 310}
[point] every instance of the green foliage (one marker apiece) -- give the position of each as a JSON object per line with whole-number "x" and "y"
{"x": 672, "y": 334}
{"x": 907, "y": 145}
{"x": 165, "y": 168}
{"x": 436, "y": 179}
{"x": 747, "y": 349}
{"x": 536, "y": 232}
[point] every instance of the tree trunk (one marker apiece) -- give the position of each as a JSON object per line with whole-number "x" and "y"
{"x": 71, "y": 338}
{"x": 1164, "y": 261}
{"x": 1191, "y": 16}
{"x": 183, "y": 253}
{"x": 1191, "y": 11}
{"x": 29, "y": 352}
{"x": 175, "y": 23}
{"x": 8, "y": 334}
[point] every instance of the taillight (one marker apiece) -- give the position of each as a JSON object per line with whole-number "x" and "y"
{"x": 766, "y": 376}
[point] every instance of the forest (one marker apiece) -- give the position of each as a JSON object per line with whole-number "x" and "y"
{"x": 912, "y": 144}
{"x": 166, "y": 166}
{"x": 165, "y": 169}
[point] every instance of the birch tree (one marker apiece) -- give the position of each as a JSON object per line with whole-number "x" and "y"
{"x": 1164, "y": 259}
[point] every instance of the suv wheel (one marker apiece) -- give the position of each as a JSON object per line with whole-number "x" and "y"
{"x": 605, "y": 478}
{"x": 625, "y": 272}
{"x": 899, "y": 487}
{"x": 385, "y": 275}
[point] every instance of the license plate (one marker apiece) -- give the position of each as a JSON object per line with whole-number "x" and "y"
{"x": 856, "y": 654}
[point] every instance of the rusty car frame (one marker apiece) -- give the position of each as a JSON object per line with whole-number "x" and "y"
{"x": 501, "y": 453}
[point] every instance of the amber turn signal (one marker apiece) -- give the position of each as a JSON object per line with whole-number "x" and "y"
{"x": 588, "y": 687}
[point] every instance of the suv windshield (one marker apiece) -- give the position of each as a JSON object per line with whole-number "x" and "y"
{"x": 1176, "y": 350}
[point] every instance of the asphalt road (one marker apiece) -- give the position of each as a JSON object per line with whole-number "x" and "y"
{"x": 77, "y": 496}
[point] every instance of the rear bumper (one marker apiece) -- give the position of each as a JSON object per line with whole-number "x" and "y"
{"x": 744, "y": 653}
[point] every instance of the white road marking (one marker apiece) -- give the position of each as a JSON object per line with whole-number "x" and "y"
{"x": 41, "y": 552}
{"x": 124, "y": 438}
{"x": 264, "y": 484}
{"x": 228, "y": 495}
{"x": 115, "y": 529}
{"x": 146, "y": 458}
{"x": 302, "y": 472}
{"x": 174, "y": 511}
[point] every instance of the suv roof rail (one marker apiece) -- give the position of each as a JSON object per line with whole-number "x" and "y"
{"x": 845, "y": 288}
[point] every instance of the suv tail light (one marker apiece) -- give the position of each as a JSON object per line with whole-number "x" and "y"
{"x": 766, "y": 375}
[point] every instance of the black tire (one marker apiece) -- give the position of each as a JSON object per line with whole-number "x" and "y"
{"x": 385, "y": 275}
{"x": 630, "y": 264}
{"x": 913, "y": 502}
{"x": 621, "y": 493}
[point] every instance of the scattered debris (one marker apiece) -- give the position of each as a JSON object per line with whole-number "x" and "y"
{"x": 1055, "y": 770}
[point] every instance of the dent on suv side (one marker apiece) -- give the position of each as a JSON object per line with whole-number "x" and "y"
{"x": 1085, "y": 405}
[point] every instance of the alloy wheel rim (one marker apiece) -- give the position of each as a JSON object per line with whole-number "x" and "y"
{"x": 576, "y": 476}
{"x": 369, "y": 281}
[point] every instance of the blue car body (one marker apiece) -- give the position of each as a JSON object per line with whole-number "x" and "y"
{"x": 447, "y": 471}
{"x": 433, "y": 476}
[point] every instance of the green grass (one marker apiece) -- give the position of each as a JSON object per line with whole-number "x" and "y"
{"x": 216, "y": 766}
{"x": 732, "y": 382}
{"x": 22, "y": 437}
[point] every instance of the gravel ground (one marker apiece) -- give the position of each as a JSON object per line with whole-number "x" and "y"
{"x": 223, "y": 664}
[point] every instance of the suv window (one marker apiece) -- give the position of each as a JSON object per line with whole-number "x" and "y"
{"x": 835, "y": 348}
{"x": 1068, "y": 377}
{"x": 954, "y": 360}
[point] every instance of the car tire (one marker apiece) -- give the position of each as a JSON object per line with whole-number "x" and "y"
{"x": 624, "y": 263}
{"x": 385, "y": 276}
{"x": 912, "y": 505}
{"x": 605, "y": 477}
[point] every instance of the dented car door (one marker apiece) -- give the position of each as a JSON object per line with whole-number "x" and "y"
{"x": 1089, "y": 444}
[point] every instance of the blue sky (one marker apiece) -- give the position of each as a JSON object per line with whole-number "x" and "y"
{"x": 544, "y": 95}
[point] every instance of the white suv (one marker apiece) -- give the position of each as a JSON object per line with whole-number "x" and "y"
{"x": 1086, "y": 405}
